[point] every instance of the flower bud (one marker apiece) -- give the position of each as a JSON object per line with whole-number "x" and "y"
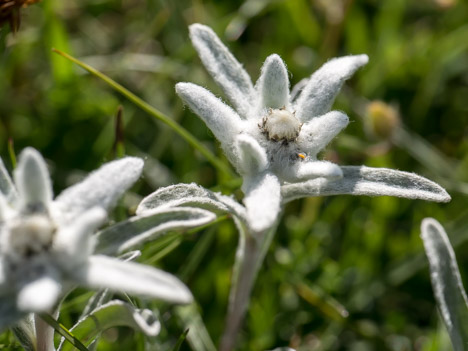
{"x": 381, "y": 120}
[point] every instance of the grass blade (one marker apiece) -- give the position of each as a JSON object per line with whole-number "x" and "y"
{"x": 221, "y": 166}
{"x": 59, "y": 328}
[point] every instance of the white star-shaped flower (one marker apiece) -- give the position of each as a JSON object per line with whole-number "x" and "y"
{"x": 46, "y": 245}
{"x": 273, "y": 136}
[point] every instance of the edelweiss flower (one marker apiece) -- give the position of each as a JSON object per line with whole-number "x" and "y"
{"x": 46, "y": 245}
{"x": 273, "y": 136}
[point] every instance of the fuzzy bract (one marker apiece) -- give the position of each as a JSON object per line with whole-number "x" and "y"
{"x": 446, "y": 281}
{"x": 46, "y": 245}
{"x": 272, "y": 136}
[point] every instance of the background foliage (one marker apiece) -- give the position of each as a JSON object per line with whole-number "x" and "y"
{"x": 344, "y": 273}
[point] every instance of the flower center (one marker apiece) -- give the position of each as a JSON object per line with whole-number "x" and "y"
{"x": 31, "y": 235}
{"x": 281, "y": 125}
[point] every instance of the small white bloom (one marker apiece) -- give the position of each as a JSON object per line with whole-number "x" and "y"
{"x": 273, "y": 136}
{"x": 271, "y": 139}
{"x": 46, "y": 245}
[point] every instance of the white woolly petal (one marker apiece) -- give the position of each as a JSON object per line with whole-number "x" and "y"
{"x": 325, "y": 84}
{"x": 153, "y": 224}
{"x": 318, "y": 132}
{"x": 262, "y": 201}
{"x": 190, "y": 195}
{"x": 5, "y": 210}
{"x": 223, "y": 121}
{"x": 303, "y": 170}
{"x": 32, "y": 180}
{"x": 39, "y": 295}
{"x": 224, "y": 68}
{"x": 446, "y": 282}
{"x": 273, "y": 84}
{"x": 7, "y": 187}
{"x": 101, "y": 188}
{"x": 362, "y": 180}
{"x": 75, "y": 239}
{"x": 252, "y": 157}
{"x": 107, "y": 273}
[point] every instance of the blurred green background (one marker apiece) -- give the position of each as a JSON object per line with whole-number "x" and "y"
{"x": 343, "y": 273}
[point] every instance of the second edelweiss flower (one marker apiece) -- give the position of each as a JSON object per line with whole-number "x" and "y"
{"x": 273, "y": 136}
{"x": 47, "y": 245}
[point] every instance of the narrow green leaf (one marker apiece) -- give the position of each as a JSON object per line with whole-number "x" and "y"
{"x": 56, "y": 35}
{"x": 324, "y": 302}
{"x": 199, "y": 338}
{"x": 182, "y": 337}
{"x": 73, "y": 342}
{"x": 221, "y": 166}
{"x": 119, "y": 142}
{"x": 11, "y": 152}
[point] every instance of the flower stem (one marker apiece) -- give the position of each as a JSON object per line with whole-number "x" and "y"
{"x": 44, "y": 334}
{"x": 249, "y": 258}
{"x": 221, "y": 166}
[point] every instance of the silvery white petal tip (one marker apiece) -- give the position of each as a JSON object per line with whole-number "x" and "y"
{"x": 345, "y": 66}
{"x": 361, "y": 59}
{"x": 253, "y": 158}
{"x": 198, "y": 28}
{"x": 147, "y": 322}
{"x": 223, "y": 67}
{"x": 39, "y": 295}
{"x": 273, "y": 84}
{"x": 222, "y": 120}
{"x": 32, "y": 179}
{"x": 324, "y": 85}
{"x": 428, "y": 224}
